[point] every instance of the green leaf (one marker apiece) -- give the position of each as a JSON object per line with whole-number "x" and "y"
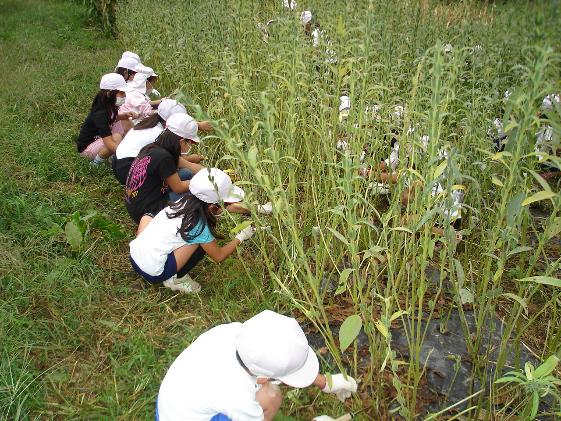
{"x": 241, "y": 226}
{"x": 426, "y": 218}
{"x": 547, "y": 367}
{"x": 73, "y": 235}
{"x": 514, "y": 208}
{"x": 466, "y": 296}
{"x": 345, "y": 275}
{"x": 545, "y": 280}
{"x": 339, "y": 236}
{"x": 54, "y": 230}
{"x": 382, "y": 328}
{"x": 542, "y": 195}
{"x": 497, "y": 182}
{"x": 460, "y": 275}
{"x": 554, "y": 228}
{"x": 397, "y": 314}
{"x": 518, "y": 299}
{"x": 518, "y": 249}
{"x": 349, "y": 331}
{"x": 440, "y": 169}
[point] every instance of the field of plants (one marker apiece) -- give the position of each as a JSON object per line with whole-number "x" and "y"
{"x": 86, "y": 338}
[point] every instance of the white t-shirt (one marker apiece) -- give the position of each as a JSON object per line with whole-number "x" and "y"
{"x": 135, "y": 140}
{"x": 454, "y": 212}
{"x": 206, "y": 379}
{"x": 320, "y": 39}
{"x": 151, "y": 248}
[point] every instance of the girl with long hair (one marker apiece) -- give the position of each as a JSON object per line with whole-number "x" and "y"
{"x": 169, "y": 245}
{"x": 96, "y": 141}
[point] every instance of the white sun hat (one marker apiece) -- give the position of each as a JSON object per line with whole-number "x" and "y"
{"x": 114, "y": 82}
{"x": 183, "y": 125}
{"x": 169, "y": 107}
{"x": 211, "y": 185}
{"x": 274, "y": 346}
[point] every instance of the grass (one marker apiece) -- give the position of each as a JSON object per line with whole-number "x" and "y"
{"x": 86, "y": 338}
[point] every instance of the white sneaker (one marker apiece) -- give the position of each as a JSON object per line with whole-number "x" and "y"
{"x": 185, "y": 284}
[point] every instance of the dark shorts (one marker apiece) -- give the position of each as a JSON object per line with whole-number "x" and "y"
{"x": 170, "y": 269}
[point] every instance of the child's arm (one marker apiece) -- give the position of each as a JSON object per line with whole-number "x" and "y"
{"x": 194, "y": 167}
{"x": 127, "y": 115}
{"x": 218, "y": 253}
{"x": 177, "y": 185}
{"x": 204, "y": 125}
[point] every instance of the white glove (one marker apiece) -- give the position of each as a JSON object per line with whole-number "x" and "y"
{"x": 245, "y": 234}
{"x": 323, "y": 418}
{"x": 155, "y": 92}
{"x": 340, "y": 387}
{"x": 267, "y": 208}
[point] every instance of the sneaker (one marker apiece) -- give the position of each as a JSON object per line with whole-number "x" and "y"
{"x": 184, "y": 284}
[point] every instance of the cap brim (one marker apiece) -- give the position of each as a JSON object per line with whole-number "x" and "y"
{"x": 306, "y": 375}
{"x": 195, "y": 139}
{"x": 125, "y": 89}
{"x": 236, "y": 194}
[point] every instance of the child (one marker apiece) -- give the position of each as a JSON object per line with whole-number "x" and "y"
{"x": 96, "y": 140}
{"x": 231, "y": 372}
{"x": 145, "y": 133}
{"x": 127, "y": 64}
{"x": 155, "y": 171}
{"x": 177, "y": 238}
{"x": 136, "y": 99}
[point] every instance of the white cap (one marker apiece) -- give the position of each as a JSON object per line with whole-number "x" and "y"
{"x": 169, "y": 107}
{"x": 141, "y": 68}
{"x": 235, "y": 195}
{"x": 138, "y": 83}
{"x": 183, "y": 125}
{"x": 128, "y": 63}
{"x": 274, "y": 346}
{"x": 211, "y": 185}
{"x": 305, "y": 17}
{"x": 131, "y": 55}
{"x": 114, "y": 82}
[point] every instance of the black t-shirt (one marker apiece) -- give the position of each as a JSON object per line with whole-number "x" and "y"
{"x": 145, "y": 189}
{"x": 97, "y": 123}
{"x": 121, "y": 168}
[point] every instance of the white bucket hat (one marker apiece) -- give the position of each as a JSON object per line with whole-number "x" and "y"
{"x": 274, "y": 346}
{"x": 114, "y": 82}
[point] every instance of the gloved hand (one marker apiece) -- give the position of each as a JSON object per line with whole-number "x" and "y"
{"x": 267, "y": 208}
{"x": 245, "y": 234}
{"x": 340, "y": 387}
{"x": 155, "y": 92}
{"x": 323, "y": 418}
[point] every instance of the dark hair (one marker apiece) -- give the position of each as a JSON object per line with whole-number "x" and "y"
{"x": 149, "y": 122}
{"x": 151, "y": 79}
{"x": 123, "y": 70}
{"x": 193, "y": 212}
{"x": 166, "y": 140}
{"x": 107, "y": 102}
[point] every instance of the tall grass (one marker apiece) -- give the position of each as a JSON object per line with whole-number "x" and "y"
{"x": 276, "y": 110}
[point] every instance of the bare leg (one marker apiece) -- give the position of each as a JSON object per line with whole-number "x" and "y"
{"x": 127, "y": 125}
